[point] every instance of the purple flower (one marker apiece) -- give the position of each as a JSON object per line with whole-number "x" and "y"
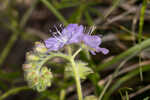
{"x": 70, "y": 34}
{"x": 53, "y": 44}
{"x": 74, "y": 33}
{"x": 93, "y": 42}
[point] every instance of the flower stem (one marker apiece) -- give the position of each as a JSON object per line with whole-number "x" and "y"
{"x": 74, "y": 67}
{"x": 69, "y": 50}
{"x": 76, "y": 74}
{"x": 77, "y": 79}
{"x": 52, "y": 55}
{"x": 76, "y": 53}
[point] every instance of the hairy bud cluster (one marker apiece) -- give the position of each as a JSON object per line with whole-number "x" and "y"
{"x": 38, "y": 78}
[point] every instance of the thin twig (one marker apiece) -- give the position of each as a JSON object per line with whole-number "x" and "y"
{"x": 119, "y": 17}
{"x": 114, "y": 75}
{"x": 123, "y": 71}
{"x": 139, "y": 91}
{"x": 134, "y": 23}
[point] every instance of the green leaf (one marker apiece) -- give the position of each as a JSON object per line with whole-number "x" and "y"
{"x": 83, "y": 70}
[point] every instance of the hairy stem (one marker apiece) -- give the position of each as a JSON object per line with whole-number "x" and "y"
{"x": 76, "y": 74}
{"x": 76, "y": 53}
{"x": 71, "y": 59}
{"x": 52, "y": 55}
{"x": 77, "y": 78}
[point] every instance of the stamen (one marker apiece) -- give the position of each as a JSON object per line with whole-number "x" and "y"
{"x": 61, "y": 26}
{"x": 50, "y": 30}
{"x": 54, "y": 34}
{"x": 58, "y": 39}
{"x": 58, "y": 31}
{"x": 84, "y": 29}
{"x": 91, "y": 30}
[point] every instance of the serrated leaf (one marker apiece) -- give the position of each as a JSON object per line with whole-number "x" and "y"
{"x": 83, "y": 70}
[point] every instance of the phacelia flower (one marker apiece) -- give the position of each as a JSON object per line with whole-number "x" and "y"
{"x": 75, "y": 33}
{"x": 70, "y": 34}
{"x": 93, "y": 42}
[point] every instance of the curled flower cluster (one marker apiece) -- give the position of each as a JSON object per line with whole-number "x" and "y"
{"x": 75, "y": 33}
{"x": 37, "y": 77}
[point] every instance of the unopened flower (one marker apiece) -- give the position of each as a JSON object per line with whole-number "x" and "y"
{"x": 30, "y": 56}
{"x": 38, "y": 77}
{"x": 40, "y": 47}
{"x": 27, "y": 67}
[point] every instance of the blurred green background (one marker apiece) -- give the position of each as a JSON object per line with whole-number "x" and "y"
{"x": 122, "y": 24}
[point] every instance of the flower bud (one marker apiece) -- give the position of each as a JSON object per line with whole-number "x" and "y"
{"x": 39, "y": 79}
{"x": 31, "y": 57}
{"x": 40, "y": 47}
{"x": 31, "y": 75}
{"x": 27, "y": 66}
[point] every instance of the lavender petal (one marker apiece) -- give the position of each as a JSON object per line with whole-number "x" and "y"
{"x": 92, "y": 41}
{"x": 53, "y": 44}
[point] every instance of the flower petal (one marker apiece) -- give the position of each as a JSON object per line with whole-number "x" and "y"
{"x": 73, "y": 32}
{"x": 92, "y": 41}
{"x": 103, "y": 50}
{"x": 93, "y": 52}
{"x": 53, "y": 44}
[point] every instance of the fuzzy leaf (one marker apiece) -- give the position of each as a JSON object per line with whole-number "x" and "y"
{"x": 83, "y": 70}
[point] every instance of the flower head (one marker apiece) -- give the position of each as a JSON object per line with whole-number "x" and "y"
{"x": 70, "y": 34}
{"x": 93, "y": 42}
{"x": 74, "y": 33}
